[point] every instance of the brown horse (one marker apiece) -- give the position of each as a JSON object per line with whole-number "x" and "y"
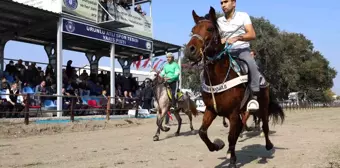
{"x": 222, "y": 100}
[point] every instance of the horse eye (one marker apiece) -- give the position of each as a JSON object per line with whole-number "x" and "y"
{"x": 210, "y": 29}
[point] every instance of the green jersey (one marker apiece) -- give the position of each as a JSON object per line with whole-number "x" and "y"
{"x": 171, "y": 71}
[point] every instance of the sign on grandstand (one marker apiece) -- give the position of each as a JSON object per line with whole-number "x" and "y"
{"x": 49, "y": 5}
{"x": 91, "y": 10}
{"x": 141, "y": 24}
{"x": 85, "y": 30}
{"x": 83, "y": 8}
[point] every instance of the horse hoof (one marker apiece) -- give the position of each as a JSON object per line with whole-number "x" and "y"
{"x": 155, "y": 138}
{"x": 269, "y": 146}
{"x": 262, "y": 134}
{"x": 232, "y": 165}
{"x": 228, "y": 155}
{"x": 166, "y": 129}
{"x": 177, "y": 134}
{"x": 219, "y": 144}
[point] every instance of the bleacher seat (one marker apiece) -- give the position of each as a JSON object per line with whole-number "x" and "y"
{"x": 27, "y": 90}
{"x": 49, "y": 104}
{"x": 93, "y": 104}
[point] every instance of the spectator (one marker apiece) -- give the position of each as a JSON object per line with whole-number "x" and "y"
{"x": 10, "y": 68}
{"x": 138, "y": 9}
{"x": 147, "y": 95}
{"x": 12, "y": 100}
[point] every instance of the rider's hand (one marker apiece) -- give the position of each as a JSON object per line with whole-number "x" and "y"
{"x": 232, "y": 40}
{"x": 223, "y": 40}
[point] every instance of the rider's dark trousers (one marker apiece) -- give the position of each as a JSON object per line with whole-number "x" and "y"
{"x": 173, "y": 86}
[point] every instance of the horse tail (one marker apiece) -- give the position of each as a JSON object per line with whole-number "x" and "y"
{"x": 276, "y": 112}
{"x": 193, "y": 107}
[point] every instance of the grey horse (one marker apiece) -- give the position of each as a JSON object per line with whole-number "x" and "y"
{"x": 162, "y": 106}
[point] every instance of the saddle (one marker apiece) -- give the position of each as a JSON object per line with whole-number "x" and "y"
{"x": 241, "y": 68}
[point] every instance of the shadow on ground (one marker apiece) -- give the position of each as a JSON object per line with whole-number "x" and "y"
{"x": 251, "y": 154}
{"x": 252, "y": 134}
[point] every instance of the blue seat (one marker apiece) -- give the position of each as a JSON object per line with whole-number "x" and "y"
{"x": 3, "y": 96}
{"x": 49, "y": 104}
{"x": 27, "y": 90}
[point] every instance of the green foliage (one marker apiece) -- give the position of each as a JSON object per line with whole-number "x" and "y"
{"x": 289, "y": 63}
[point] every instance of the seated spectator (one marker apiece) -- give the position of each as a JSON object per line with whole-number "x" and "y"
{"x": 12, "y": 101}
{"x": 139, "y": 10}
{"x": 40, "y": 90}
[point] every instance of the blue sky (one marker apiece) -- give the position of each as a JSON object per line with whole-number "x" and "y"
{"x": 173, "y": 21}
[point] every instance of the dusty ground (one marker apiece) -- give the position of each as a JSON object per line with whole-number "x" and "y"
{"x": 307, "y": 139}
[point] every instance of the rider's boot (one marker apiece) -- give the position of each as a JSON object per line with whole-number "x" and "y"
{"x": 173, "y": 103}
{"x": 253, "y": 105}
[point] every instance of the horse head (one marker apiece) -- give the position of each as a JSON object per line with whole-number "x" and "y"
{"x": 205, "y": 39}
{"x": 155, "y": 78}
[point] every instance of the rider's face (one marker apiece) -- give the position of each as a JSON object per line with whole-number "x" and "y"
{"x": 228, "y": 5}
{"x": 169, "y": 59}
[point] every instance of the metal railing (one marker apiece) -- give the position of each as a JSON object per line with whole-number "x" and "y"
{"x": 74, "y": 105}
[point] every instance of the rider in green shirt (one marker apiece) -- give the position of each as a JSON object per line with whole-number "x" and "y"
{"x": 170, "y": 73}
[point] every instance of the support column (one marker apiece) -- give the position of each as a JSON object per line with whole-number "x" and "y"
{"x": 125, "y": 63}
{"x": 150, "y": 9}
{"x": 180, "y": 66}
{"x": 52, "y": 55}
{"x": 2, "y": 56}
{"x": 59, "y": 67}
{"x": 94, "y": 62}
{"x": 112, "y": 74}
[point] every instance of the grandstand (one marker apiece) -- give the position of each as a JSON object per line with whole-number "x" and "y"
{"x": 98, "y": 30}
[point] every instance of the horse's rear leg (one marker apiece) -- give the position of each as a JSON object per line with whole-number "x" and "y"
{"x": 265, "y": 128}
{"x": 234, "y": 132}
{"x": 208, "y": 118}
{"x": 179, "y": 120}
{"x": 190, "y": 119}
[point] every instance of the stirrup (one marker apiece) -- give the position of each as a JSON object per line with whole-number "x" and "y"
{"x": 252, "y": 105}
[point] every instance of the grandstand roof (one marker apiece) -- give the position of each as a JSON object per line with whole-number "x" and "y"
{"x": 24, "y": 23}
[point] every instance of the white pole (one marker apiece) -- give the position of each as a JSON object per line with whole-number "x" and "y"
{"x": 112, "y": 74}
{"x": 133, "y": 5}
{"x": 150, "y": 9}
{"x": 59, "y": 67}
{"x": 180, "y": 66}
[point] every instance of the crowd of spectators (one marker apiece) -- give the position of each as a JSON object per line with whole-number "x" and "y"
{"x": 28, "y": 78}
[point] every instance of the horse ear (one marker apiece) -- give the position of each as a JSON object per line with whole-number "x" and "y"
{"x": 195, "y": 16}
{"x": 212, "y": 14}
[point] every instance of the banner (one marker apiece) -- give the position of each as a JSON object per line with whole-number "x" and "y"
{"x": 93, "y": 32}
{"x": 83, "y": 8}
{"x": 141, "y": 24}
{"x": 49, "y": 5}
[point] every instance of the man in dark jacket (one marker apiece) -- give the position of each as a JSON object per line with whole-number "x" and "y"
{"x": 147, "y": 95}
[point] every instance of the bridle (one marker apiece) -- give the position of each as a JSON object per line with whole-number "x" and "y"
{"x": 206, "y": 44}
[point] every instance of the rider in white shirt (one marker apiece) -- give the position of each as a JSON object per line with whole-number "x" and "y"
{"x": 239, "y": 27}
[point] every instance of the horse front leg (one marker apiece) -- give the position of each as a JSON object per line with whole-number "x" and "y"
{"x": 236, "y": 126}
{"x": 158, "y": 132}
{"x": 208, "y": 118}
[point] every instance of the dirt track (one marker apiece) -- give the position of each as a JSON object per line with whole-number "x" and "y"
{"x": 306, "y": 139}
